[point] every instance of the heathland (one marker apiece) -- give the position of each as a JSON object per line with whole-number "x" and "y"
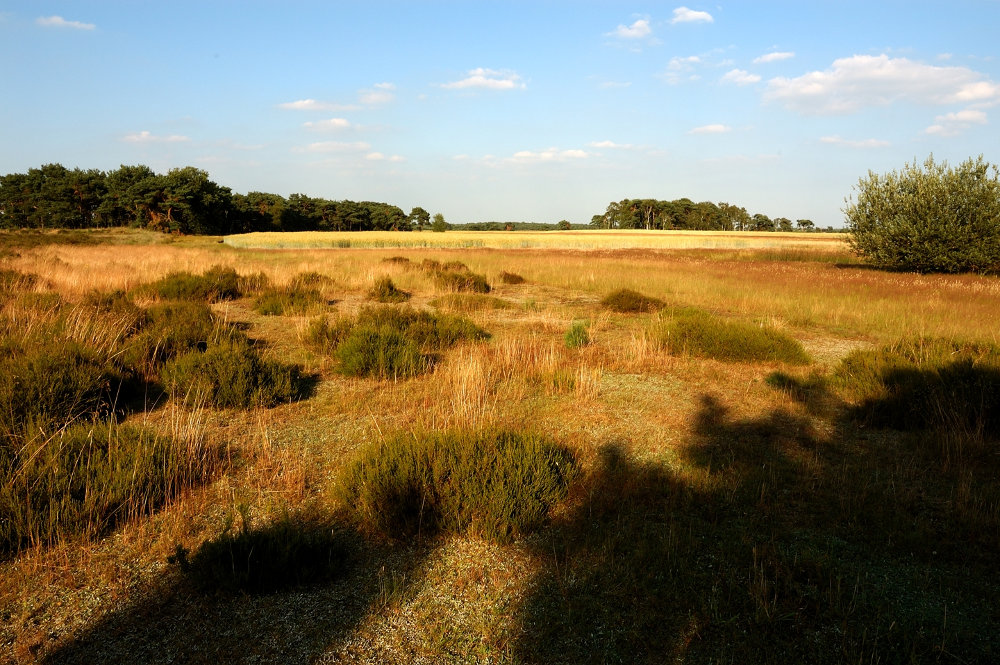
{"x": 603, "y": 446}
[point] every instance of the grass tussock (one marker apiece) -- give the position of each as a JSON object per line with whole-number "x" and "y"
{"x": 935, "y": 385}
{"x": 214, "y": 285}
{"x": 471, "y": 302}
{"x": 512, "y": 278}
{"x": 397, "y": 260}
{"x": 627, "y": 301}
{"x": 84, "y": 480}
{"x": 294, "y": 300}
{"x": 695, "y": 332}
{"x": 455, "y": 276}
{"x": 496, "y": 485}
{"x": 385, "y": 291}
{"x": 294, "y": 550}
{"x": 578, "y": 335}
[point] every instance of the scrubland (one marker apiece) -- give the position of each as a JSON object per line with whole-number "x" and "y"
{"x": 535, "y": 452}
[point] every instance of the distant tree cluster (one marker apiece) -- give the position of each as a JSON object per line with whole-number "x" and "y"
{"x": 686, "y": 214}
{"x": 184, "y": 200}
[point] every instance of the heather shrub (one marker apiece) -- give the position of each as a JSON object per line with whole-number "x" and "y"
{"x": 626, "y": 301}
{"x": 289, "y": 301}
{"x": 216, "y": 284}
{"x": 385, "y": 291}
{"x": 450, "y": 280}
{"x": 510, "y": 278}
{"x": 470, "y": 302}
{"x": 494, "y": 484}
{"x": 699, "y": 333}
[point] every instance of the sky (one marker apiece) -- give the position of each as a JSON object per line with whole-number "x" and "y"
{"x": 506, "y": 111}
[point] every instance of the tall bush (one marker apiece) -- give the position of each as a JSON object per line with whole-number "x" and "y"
{"x": 930, "y": 218}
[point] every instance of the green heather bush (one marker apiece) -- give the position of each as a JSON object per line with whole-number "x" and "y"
{"x": 169, "y": 330}
{"x": 702, "y": 334}
{"x": 926, "y": 384}
{"x": 254, "y": 283}
{"x": 497, "y": 485}
{"x": 88, "y": 478}
{"x": 294, "y": 550}
{"x": 232, "y": 374}
{"x": 461, "y": 281}
{"x": 510, "y": 278}
{"x": 470, "y": 302}
{"x": 385, "y": 291}
{"x": 293, "y": 300}
{"x": 627, "y": 301}
{"x": 393, "y": 342}
{"x": 310, "y": 279}
{"x": 216, "y": 284}
{"x": 577, "y": 335}
{"x": 325, "y": 336}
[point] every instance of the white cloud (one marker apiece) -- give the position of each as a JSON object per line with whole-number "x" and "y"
{"x": 331, "y": 124}
{"x": 381, "y": 94}
{"x": 685, "y": 15}
{"x": 863, "y": 80}
{"x": 740, "y": 77}
{"x": 379, "y": 157}
{"x": 147, "y": 137}
{"x": 638, "y": 30}
{"x": 855, "y": 143}
{"x": 313, "y": 105}
{"x": 335, "y": 146}
{"x": 489, "y": 79}
{"x": 773, "y": 57}
{"x": 679, "y": 66}
{"x": 385, "y": 86}
{"x": 549, "y": 155}
{"x": 610, "y": 144}
{"x": 711, "y": 129}
{"x": 60, "y": 22}
{"x": 952, "y": 124}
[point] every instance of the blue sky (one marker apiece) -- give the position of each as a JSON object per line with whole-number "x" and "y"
{"x": 533, "y": 111}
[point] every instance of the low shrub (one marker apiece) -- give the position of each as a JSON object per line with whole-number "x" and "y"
{"x": 456, "y": 266}
{"x": 232, "y": 374}
{"x": 450, "y": 280}
{"x": 701, "y": 334}
{"x": 494, "y": 484}
{"x": 510, "y": 278}
{"x": 310, "y": 279}
{"x": 294, "y": 550}
{"x": 325, "y": 336}
{"x": 430, "y": 265}
{"x": 578, "y": 335}
{"x": 397, "y": 260}
{"x": 432, "y": 332}
{"x": 87, "y": 478}
{"x": 385, "y": 291}
{"x": 216, "y": 284}
{"x": 627, "y": 301}
{"x": 254, "y": 283}
{"x": 471, "y": 302}
{"x": 168, "y": 330}
{"x": 290, "y": 301}
{"x": 926, "y": 384}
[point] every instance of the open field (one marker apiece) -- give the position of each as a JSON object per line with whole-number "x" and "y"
{"x": 716, "y": 510}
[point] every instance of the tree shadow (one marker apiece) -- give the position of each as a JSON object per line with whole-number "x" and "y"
{"x": 776, "y": 539}
{"x": 308, "y": 584}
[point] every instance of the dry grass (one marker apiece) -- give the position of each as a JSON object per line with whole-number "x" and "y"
{"x": 717, "y": 516}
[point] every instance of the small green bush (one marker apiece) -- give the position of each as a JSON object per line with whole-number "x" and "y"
{"x": 385, "y": 291}
{"x": 470, "y": 302}
{"x": 498, "y": 485}
{"x": 232, "y": 374}
{"x": 168, "y": 330}
{"x": 510, "y": 278}
{"x": 88, "y": 478}
{"x": 292, "y": 551}
{"x": 216, "y": 284}
{"x": 451, "y": 280}
{"x": 254, "y": 283}
{"x": 626, "y": 301}
{"x": 310, "y": 279}
{"x": 429, "y": 331}
{"x": 926, "y": 384}
{"x": 578, "y": 335}
{"x": 290, "y": 301}
{"x": 701, "y": 334}
{"x": 325, "y": 336}
{"x": 380, "y": 352}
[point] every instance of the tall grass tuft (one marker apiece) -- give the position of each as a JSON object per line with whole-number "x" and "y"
{"x": 495, "y": 484}
{"x": 578, "y": 335}
{"x": 701, "y": 334}
{"x": 470, "y": 302}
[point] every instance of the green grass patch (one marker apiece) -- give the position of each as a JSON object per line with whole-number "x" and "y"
{"x": 578, "y": 335}
{"x": 385, "y": 291}
{"x": 695, "y": 332}
{"x": 497, "y": 485}
{"x": 289, "y": 301}
{"x": 627, "y": 301}
{"x": 382, "y": 353}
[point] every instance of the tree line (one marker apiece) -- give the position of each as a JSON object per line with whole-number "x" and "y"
{"x": 688, "y": 215}
{"x": 183, "y": 200}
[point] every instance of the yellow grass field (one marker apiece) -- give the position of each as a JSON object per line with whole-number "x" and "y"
{"x": 725, "y": 510}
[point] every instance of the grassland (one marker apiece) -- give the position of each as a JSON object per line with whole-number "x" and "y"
{"x": 718, "y": 510}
